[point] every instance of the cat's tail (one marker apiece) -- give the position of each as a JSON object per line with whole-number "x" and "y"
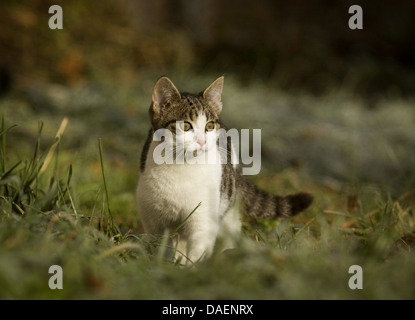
{"x": 257, "y": 203}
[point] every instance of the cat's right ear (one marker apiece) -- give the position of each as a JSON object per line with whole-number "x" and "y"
{"x": 164, "y": 94}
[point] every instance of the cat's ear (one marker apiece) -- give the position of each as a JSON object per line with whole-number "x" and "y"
{"x": 164, "y": 93}
{"x": 213, "y": 94}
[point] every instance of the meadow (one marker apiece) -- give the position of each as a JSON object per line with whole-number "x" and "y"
{"x": 69, "y": 167}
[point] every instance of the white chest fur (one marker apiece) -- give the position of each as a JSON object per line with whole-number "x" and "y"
{"x": 168, "y": 193}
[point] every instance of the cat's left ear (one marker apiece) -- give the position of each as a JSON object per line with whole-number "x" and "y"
{"x": 213, "y": 94}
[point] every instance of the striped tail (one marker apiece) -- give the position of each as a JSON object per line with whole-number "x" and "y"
{"x": 257, "y": 203}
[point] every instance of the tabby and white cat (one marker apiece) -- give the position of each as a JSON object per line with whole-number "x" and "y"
{"x": 168, "y": 193}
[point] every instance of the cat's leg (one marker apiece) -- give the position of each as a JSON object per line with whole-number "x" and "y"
{"x": 180, "y": 250}
{"x": 230, "y": 229}
{"x": 202, "y": 233}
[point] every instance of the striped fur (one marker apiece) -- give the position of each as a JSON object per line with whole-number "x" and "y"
{"x": 255, "y": 202}
{"x": 260, "y": 204}
{"x": 179, "y": 188}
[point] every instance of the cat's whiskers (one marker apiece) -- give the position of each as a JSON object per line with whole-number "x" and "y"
{"x": 165, "y": 193}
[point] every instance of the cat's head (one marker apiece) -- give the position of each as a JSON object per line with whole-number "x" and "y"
{"x": 192, "y": 118}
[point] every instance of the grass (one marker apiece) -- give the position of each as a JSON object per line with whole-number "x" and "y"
{"x": 67, "y": 198}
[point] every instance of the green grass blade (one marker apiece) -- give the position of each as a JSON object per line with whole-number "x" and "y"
{"x": 184, "y": 221}
{"x": 3, "y": 132}
{"x": 113, "y": 229}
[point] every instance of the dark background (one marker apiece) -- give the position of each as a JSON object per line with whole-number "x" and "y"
{"x": 296, "y": 45}
{"x": 331, "y": 102}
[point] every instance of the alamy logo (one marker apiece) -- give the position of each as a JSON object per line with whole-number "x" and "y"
{"x": 356, "y": 280}
{"x": 56, "y": 21}
{"x": 56, "y": 281}
{"x": 172, "y": 149}
{"x": 356, "y": 20}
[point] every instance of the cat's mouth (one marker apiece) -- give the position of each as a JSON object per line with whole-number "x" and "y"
{"x": 196, "y": 150}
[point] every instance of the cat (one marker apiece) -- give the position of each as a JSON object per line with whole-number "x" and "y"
{"x": 168, "y": 192}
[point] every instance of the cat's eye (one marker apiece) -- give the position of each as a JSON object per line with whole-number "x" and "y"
{"x": 187, "y": 126}
{"x": 210, "y": 126}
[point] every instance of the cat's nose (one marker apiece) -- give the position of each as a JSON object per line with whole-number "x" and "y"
{"x": 201, "y": 142}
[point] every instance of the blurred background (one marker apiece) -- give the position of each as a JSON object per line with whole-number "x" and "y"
{"x": 335, "y": 104}
{"x": 336, "y": 109}
{"x": 292, "y": 44}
